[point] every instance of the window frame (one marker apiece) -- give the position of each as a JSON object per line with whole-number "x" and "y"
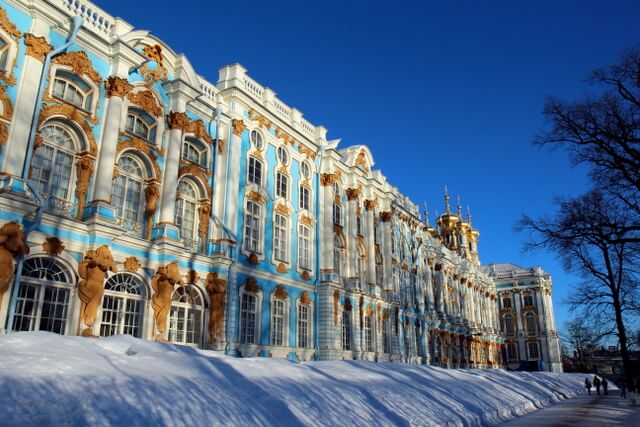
{"x": 280, "y": 238}
{"x": 304, "y": 263}
{"x": 304, "y": 196}
{"x": 257, "y": 314}
{"x": 255, "y": 171}
{"x": 282, "y": 185}
{"x": 257, "y": 218}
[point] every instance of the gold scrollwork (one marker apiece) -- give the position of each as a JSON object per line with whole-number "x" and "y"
{"x": 154, "y": 53}
{"x": 256, "y": 197}
{"x": 197, "y": 128}
{"x": 37, "y": 47}
{"x": 283, "y": 209}
{"x": 177, "y": 120}
{"x": 117, "y": 86}
{"x": 75, "y": 115}
{"x": 142, "y": 146}
{"x": 146, "y": 101}
{"x": 80, "y": 64}
{"x": 84, "y": 171}
{"x": 238, "y": 127}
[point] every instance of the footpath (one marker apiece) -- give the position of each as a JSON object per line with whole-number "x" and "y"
{"x": 583, "y": 410}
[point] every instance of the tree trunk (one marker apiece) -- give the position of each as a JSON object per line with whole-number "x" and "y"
{"x": 622, "y": 336}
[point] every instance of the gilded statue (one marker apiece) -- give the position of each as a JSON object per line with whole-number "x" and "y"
{"x": 84, "y": 170}
{"x": 163, "y": 283}
{"x": 93, "y": 272}
{"x": 152, "y": 194}
{"x": 203, "y": 225}
{"x": 217, "y": 289}
{"x": 12, "y": 245}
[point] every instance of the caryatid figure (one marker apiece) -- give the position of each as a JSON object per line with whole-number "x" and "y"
{"x": 12, "y": 245}
{"x": 93, "y": 272}
{"x": 217, "y": 293}
{"x": 163, "y": 283}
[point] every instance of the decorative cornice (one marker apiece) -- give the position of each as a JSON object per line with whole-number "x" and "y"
{"x": 37, "y": 47}
{"x": 117, "y": 86}
{"x": 197, "y": 128}
{"x": 7, "y": 107}
{"x": 352, "y": 193}
{"x": 147, "y": 102}
{"x": 238, "y": 127}
{"x": 177, "y": 120}
{"x": 308, "y": 152}
{"x": 361, "y": 161}
{"x": 80, "y": 64}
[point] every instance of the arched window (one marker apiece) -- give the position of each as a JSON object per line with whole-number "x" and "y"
{"x": 52, "y": 168}
{"x": 72, "y": 89}
{"x": 128, "y": 194}
{"x": 530, "y": 321}
{"x": 252, "y": 234}
{"x": 140, "y": 124}
{"x": 123, "y": 306}
{"x": 338, "y": 255}
{"x": 283, "y": 156}
{"x": 185, "y": 320}
{"x": 194, "y": 151}
{"x": 280, "y": 239}
{"x": 186, "y": 213}
{"x": 43, "y": 299}
{"x": 256, "y": 139}
{"x": 509, "y": 328}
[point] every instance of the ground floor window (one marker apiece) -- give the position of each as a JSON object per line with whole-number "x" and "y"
{"x": 43, "y": 299}
{"x": 185, "y": 320}
{"x": 346, "y": 330}
{"x": 123, "y": 306}
{"x": 303, "y": 326}
{"x": 512, "y": 351}
{"x": 277, "y": 322}
{"x": 533, "y": 350}
{"x": 368, "y": 339}
{"x": 386, "y": 341}
{"x": 248, "y": 317}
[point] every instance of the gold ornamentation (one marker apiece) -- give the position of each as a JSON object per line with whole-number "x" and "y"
{"x": 306, "y": 220}
{"x": 8, "y": 26}
{"x": 4, "y": 134}
{"x": 305, "y": 298}
{"x": 204, "y": 211}
{"x": 7, "y": 107}
{"x": 327, "y": 179}
{"x": 84, "y": 171}
{"x": 154, "y": 53}
{"x": 360, "y": 240}
{"x": 71, "y": 113}
{"x": 163, "y": 284}
{"x": 192, "y": 276}
{"x": 347, "y": 305}
{"x": 337, "y": 229}
{"x": 352, "y": 193}
{"x": 152, "y": 195}
{"x": 93, "y": 272}
{"x": 280, "y": 292}
{"x": 308, "y": 152}
{"x": 132, "y": 264}
{"x": 220, "y": 143}
{"x": 305, "y": 275}
{"x": 281, "y": 268}
{"x": 196, "y": 171}
{"x": 148, "y": 103}
{"x": 369, "y": 311}
{"x": 337, "y": 200}
{"x": 386, "y": 216}
{"x": 253, "y": 259}
{"x": 217, "y": 288}
{"x": 177, "y": 120}
{"x": 117, "y": 86}
{"x": 361, "y": 161}
{"x": 141, "y": 146}
{"x": 197, "y": 128}
{"x": 238, "y": 127}
{"x": 37, "y": 47}
{"x": 283, "y": 209}
{"x": 336, "y": 306}
{"x": 255, "y": 196}
{"x": 53, "y": 246}
{"x": 251, "y": 285}
{"x": 80, "y": 64}
{"x": 285, "y": 137}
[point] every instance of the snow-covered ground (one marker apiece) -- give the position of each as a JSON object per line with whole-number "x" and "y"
{"x": 47, "y": 379}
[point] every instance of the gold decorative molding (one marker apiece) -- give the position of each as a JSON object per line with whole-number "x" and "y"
{"x": 163, "y": 284}
{"x": 283, "y": 209}
{"x": 7, "y": 106}
{"x": 280, "y": 292}
{"x": 305, "y": 275}
{"x": 308, "y": 152}
{"x": 93, "y": 272}
{"x": 352, "y": 194}
{"x": 255, "y": 196}
{"x": 360, "y": 240}
{"x": 282, "y": 269}
{"x": 327, "y": 179}
{"x": 154, "y": 53}
{"x": 84, "y": 172}
{"x": 238, "y": 127}
{"x": 37, "y": 47}
{"x": 251, "y": 285}
{"x": 80, "y": 64}
{"x": 361, "y": 161}
{"x": 386, "y": 216}
{"x": 306, "y": 220}
{"x": 53, "y": 246}
{"x": 253, "y": 259}
{"x": 117, "y": 86}
{"x": 177, "y": 120}
{"x": 285, "y": 137}
{"x": 337, "y": 229}
{"x": 148, "y": 103}
{"x": 4, "y": 134}
{"x": 71, "y": 113}
{"x": 204, "y": 212}
{"x": 8, "y": 26}
{"x": 369, "y": 311}
{"x": 198, "y": 172}
{"x": 197, "y": 128}
{"x": 141, "y": 146}
{"x": 305, "y": 298}
{"x": 132, "y": 264}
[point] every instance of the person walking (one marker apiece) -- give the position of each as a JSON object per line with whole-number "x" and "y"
{"x": 605, "y": 384}
{"x": 623, "y": 389}
{"x": 587, "y": 384}
{"x": 596, "y": 384}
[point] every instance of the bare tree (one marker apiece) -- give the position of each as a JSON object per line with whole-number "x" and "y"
{"x": 584, "y": 234}
{"x": 582, "y": 338}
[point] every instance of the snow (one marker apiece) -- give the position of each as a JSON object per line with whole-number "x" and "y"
{"x": 47, "y": 379}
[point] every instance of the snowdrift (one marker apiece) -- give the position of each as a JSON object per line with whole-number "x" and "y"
{"x": 47, "y": 379}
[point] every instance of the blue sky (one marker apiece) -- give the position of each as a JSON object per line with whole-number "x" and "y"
{"x": 443, "y": 92}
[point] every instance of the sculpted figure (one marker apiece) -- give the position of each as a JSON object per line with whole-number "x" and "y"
{"x": 84, "y": 170}
{"x": 12, "y": 245}
{"x": 163, "y": 283}
{"x": 217, "y": 292}
{"x": 152, "y": 194}
{"x": 93, "y": 271}
{"x": 203, "y": 225}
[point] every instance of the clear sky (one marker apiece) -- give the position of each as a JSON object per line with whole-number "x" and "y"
{"x": 443, "y": 92}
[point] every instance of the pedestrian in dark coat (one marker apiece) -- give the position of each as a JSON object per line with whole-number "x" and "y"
{"x": 596, "y": 384}
{"x": 587, "y": 384}
{"x": 605, "y": 384}
{"x": 623, "y": 389}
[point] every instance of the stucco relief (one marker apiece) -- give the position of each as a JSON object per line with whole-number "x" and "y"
{"x": 93, "y": 272}
{"x": 217, "y": 289}
{"x": 12, "y": 245}
{"x": 163, "y": 283}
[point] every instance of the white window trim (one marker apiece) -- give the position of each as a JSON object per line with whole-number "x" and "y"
{"x": 287, "y": 176}
{"x": 147, "y": 325}
{"x": 12, "y": 52}
{"x": 159, "y": 121}
{"x": 94, "y": 90}
{"x": 258, "y": 326}
{"x": 286, "y": 320}
{"x": 262, "y": 225}
{"x": 311, "y": 269}
{"x": 310, "y": 331}
{"x": 289, "y": 235}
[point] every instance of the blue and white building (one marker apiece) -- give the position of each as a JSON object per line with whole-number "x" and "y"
{"x": 108, "y": 136}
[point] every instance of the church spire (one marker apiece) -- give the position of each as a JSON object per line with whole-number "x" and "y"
{"x": 447, "y": 208}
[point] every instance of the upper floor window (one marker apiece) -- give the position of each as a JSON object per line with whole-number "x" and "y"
{"x": 194, "y": 151}
{"x": 282, "y": 185}
{"x": 280, "y": 244}
{"x": 72, "y": 89}
{"x": 506, "y": 301}
{"x": 4, "y": 53}
{"x": 140, "y": 124}
{"x": 336, "y": 189}
{"x": 305, "y": 170}
{"x": 256, "y": 139}
{"x": 338, "y": 255}
{"x": 128, "y": 193}
{"x": 528, "y": 300}
{"x": 509, "y": 329}
{"x": 337, "y": 214}
{"x": 252, "y": 233}
{"x": 359, "y": 225}
{"x": 530, "y": 320}
{"x": 254, "y": 172}
{"x": 186, "y": 211}
{"x": 283, "y": 156}
{"x": 304, "y": 247}
{"x": 305, "y": 197}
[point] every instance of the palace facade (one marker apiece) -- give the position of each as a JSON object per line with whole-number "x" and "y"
{"x": 158, "y": 204}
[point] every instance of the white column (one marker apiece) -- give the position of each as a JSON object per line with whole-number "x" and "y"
{"x": 385, "y": 217}
{"x": 370, "y": 242}
{"x": 352, "y": 251}
{"x": 326, "y": 224}
{"x": 177, "y": 123}
{"x": 234, "y": 181}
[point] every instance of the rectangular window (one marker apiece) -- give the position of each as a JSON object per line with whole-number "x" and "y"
{"x": 277, "y": 323}
{"x": 337, "y": 214}
{"x": 506, "y": 302}
{"x": 512, "y": 351}
{"x": 528, "y": 300}
{"x": 304, "y": 243}
{"x": 252, "y": 227}
{"x": 248, "y": 319}
{"x": 304, "y": 197}
{"x": 530, "y": 319}
{"x": 368, "y": 339}
{"x": 254, "y": 172}
{"x": 346, "y": 330}
{"x": 303, "y": 326}
{"x": 379, "y": 272}
{"x": 508, "y": 325}
{"x": 386, "y": 341}
{"x": 533, "y": 350}
{"x": 359, "y": 225}
{"x": 282, "y": 185}
{"x": 280, "y": 238}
